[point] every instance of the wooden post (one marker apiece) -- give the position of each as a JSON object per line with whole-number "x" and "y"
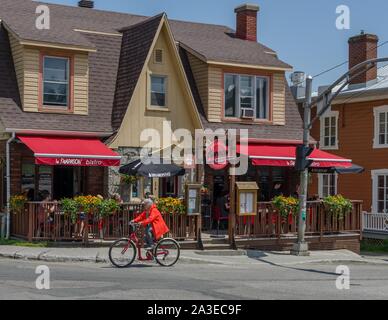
{"x": 30, "y": 222}
{"x": 232, "y": 209}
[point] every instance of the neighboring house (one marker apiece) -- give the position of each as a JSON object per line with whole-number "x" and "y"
{"x": 356, "y": 127}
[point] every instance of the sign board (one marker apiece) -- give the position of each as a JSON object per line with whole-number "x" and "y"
{"x": 193, "y": 199}
{"x": 247, "y": 198}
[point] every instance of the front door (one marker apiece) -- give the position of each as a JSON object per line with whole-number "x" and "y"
{"x": 63, "y": 182}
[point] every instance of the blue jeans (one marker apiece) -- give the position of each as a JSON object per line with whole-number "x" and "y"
{"x": 149, "y": 236}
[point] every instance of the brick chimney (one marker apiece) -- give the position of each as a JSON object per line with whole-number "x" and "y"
{"x": 361, "y": 48}
{"x": 246, "y": 21}
{"x": 86, "y": 4}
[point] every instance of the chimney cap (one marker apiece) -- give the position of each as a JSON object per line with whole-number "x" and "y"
{"x": 364, "y": 37}
{"x": 86, "y": 4}
{"x": 247, "y": 7}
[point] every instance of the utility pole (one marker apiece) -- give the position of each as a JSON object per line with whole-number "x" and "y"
{"x": 302, "y": 163}
{"x": 301, "y": 247}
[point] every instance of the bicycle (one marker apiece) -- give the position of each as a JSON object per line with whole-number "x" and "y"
{"x": 123, "y": 252}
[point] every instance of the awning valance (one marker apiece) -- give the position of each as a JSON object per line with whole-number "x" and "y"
{"x": 284, "y": 155}
{"x": 69, "y": 151}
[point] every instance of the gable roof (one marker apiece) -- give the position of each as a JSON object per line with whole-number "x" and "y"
{"x": 211, "y": 42}
{"x": 136, "y": 45}
{"x": 102, "y": 79}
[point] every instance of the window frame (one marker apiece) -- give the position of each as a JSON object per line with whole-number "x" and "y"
{"x": 70, "y": 103}
{"x": 331, "y": 114}
{"x": 375, "y": 186}
{"x": 321, "y": 180}
{"x": 238, "y": 97}
{"x": 150, "y": 105}
{"x": 376, "y": 139}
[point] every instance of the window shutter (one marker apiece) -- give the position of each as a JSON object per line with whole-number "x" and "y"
{"x": 158, "y": 56}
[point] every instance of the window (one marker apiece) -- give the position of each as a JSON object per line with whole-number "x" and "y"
{"x": 380, "y": 191}
{"x": 327, "y": 185}
{"x": 56, "y": 82}
{"x": 329, "y": 131}
{"x": 158, "y": 91}
{"x": 381, "y": 127}
{"x": 249, "y": 92}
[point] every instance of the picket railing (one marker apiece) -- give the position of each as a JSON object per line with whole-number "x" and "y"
{"x": 375, "y": 222}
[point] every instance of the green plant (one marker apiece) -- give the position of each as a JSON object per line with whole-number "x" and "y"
{"x": 286, "y": 205}
{"x": 17, "y": 203}
{"x": 338, "y": 205}
{"x": 107, "y": 207}
{"x": 129, "y": 180}
{"x": 70, "y": 207}
{"x": 171, "y": 206}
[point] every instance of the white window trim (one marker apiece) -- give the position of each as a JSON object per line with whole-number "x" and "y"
{"x": 375, "y": 174}
{"x": 238, "y": 95}
{"x": 150, "y": 106}
{"x": 59, "y": 107}
{"x": 320, "y": 183}
{"x": 376, "y": 113}
{"x": 322, "y": 131}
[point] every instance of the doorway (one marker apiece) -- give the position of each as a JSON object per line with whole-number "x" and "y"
{"x": 63, "y": 182}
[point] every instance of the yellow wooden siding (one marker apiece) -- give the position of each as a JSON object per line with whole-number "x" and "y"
{"x": 81, "y": 84}
{"x": 27, "y": 64}
{"x": 141, "y": 116}
{"x": 200, "y": 72}
{"x": 279, "y": 99}
{"x": 17, "y": 53}
{"x": 31, "y": 79}
{"x": 215, "y": 94}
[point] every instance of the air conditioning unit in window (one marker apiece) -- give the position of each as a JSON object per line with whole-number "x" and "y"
{"x": 247, "y": 113}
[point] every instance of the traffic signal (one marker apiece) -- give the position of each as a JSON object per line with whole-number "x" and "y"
{"x": 302, "y": 153}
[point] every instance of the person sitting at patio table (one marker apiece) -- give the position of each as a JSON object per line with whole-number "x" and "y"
{"x": 45, "y": 211}
{"x": 151, "y": 219}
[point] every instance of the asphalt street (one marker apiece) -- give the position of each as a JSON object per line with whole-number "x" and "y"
{"x": 192, "y": 281}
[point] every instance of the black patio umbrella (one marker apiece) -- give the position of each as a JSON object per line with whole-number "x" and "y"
{"x": 152, "y": 170}
{"x": 354, "y": 169}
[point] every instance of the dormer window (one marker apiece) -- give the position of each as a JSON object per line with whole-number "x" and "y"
{"x": 246, "y": 95}
{"x": 56, "y": 82}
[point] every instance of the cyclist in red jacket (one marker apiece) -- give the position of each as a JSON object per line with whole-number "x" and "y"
{"x": 153, "y": 222}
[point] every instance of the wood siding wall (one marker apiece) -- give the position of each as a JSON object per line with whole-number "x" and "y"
{"x": 141, "y": 116}
{"x": 209, "y": 81}
{"x": 356, "y": 134}
{"x": 27, "y": 67}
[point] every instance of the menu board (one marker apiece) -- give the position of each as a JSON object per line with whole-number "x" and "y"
{"x": 45, "y": 181}
{"x": 193, "y": 199}
{"x": 246, "y": 202}
{"x": 28, "y": 176}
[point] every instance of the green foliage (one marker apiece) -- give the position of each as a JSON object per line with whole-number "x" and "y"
{"x": 70, "y": 207}
{"x": 107, "y": 207}
{"x": 286, "y": 205}
{"x": 129, "y": 180}
{"x": 338, "y": 206}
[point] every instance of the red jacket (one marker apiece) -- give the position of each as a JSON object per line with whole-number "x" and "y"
{"x": 159, "y": 227}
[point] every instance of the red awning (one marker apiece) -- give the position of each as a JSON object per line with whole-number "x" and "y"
{"x": 66, "y": 151}
{"x": 284, "y": 155}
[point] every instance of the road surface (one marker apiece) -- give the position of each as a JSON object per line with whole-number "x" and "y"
{"x": 192, "y": 281}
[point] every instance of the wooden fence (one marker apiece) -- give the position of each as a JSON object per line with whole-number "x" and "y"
{"x": 268, "y": 223}
{"x": 45, "y": 221}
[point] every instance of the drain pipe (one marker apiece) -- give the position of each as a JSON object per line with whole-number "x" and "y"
{"x": 8, "y": 178}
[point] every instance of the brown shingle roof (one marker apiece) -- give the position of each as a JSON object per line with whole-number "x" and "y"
{"x": 103, "y": 66}
{"x": 136, "y": 44}
{"x": 213, "y": 42}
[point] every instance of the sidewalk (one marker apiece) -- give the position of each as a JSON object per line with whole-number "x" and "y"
{"x": 226, "y": 257}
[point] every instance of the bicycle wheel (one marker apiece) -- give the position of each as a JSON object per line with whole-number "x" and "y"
{"x": 167, "y": 252}
{"x": 122, "y": 253}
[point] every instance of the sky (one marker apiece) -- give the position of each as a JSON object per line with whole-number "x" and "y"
{"x": 303, "y": 32}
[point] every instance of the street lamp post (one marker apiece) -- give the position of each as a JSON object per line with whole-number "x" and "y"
{"x": 302, "y": 163}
